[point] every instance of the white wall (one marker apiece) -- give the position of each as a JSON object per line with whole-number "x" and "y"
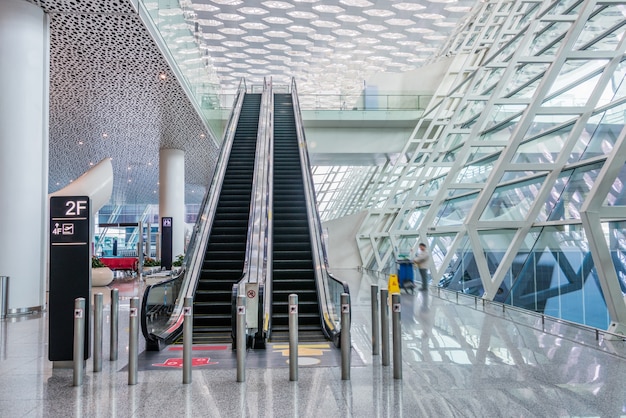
{"x": 343, "y": 252}
{"x": 423, "y": 80}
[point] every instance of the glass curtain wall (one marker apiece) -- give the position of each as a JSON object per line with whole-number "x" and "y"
{"x": 515, "y": 175}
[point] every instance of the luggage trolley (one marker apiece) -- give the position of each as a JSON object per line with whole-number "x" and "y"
{"x": 406, "y": 278}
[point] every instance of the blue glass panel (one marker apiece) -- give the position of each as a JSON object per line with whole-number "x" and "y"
{"x": 454, "y": 211}
{"x": 564, "y": 202}
{"x": 606, "y": 132}
{"x": 617, "y": 194}
{"x": 557, "y": 278}
{"x": 512, "y": 202}
{"x": 462, "y": 273}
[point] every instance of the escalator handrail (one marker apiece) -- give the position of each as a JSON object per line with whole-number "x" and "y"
{"x": 331, "y": 322}
{"x": 257, "y": 240}
{"x": 194, "y": 256}
{"x": 256, "y": 244}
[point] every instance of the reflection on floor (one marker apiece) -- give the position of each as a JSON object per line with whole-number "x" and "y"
{"x": 458, "y": 359}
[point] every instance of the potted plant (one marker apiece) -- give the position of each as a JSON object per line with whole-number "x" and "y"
{"x": 101, "y": 275}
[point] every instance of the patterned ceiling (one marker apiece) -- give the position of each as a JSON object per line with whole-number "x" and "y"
{"x": 112, "y": 94}
{"x": 330, "y": 46}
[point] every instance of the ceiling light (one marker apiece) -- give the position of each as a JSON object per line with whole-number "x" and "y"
{"x": 302, "y": 15}
{"x": 80, "y": 142}
{"x": 162, "y": 76}
{"x": 277, "y": 5}
{"x": 104, "y": 135}
{"x": 379, "y": 12}
{"x": 253, "y": 11}
{"x": 328, "y": 9}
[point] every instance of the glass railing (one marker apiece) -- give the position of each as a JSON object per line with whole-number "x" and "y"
{"x": 364, "y": 101}
{"x": 338, "y": 102}
{"x": 162, "y": 307}
{"x": 258, "y": 239}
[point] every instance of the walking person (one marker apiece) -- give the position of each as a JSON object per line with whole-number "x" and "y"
{"x": 421, "y": 260}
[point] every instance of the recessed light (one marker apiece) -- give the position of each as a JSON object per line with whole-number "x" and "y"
{"x": 162, "y": 76}
{"x": 104, "y": 135}
{"x": 80, "y": 142}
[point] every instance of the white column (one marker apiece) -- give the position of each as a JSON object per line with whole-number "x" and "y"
{"x": 172, "y": 195}
{"x": 24, "y": 69}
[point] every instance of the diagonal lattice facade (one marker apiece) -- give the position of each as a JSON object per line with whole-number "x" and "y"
{"x": 515, "y": 176}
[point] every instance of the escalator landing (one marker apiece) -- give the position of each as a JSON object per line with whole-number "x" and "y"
{"x": 221, "y": 356}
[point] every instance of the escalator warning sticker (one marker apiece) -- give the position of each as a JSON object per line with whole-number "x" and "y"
{"x": 241, "y": 310}
{"x": 293, "y": 309}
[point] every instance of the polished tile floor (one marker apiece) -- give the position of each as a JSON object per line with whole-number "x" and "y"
{"x": 460, "y": 358}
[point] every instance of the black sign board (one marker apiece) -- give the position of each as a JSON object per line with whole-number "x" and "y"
{"x": 70, "y": 272}
{"x": 166, "y": 242}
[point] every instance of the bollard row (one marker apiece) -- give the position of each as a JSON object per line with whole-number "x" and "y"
{"x": 98, "y": 323}
{"x": 384, "y": 328}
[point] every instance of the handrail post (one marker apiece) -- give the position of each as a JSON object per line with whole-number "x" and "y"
{"x": 293, "y": 337}
{"x": 241, "y": 338}
{"x": 79, "y": 341}
{"x": 98, "y": 322}
{"x": 384, "y": 325}
{"x": 375, "y": 321}
{"x": 115, "y": 305}
{"x": 397, "y": 336}
{"x": 187, "y": 339}
{"x": 346, "y": 340}
{"x": 133, "y": 341}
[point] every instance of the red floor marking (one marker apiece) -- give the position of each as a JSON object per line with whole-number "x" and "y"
{"x": 200, "y": 348}
{"x": 178, "y": 362}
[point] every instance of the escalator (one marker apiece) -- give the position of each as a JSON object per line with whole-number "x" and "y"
{"x": 224, "y": 257}
{"x": 292, "y": 266}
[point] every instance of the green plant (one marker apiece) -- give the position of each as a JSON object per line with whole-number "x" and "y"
{"x": 96, "y": 262}
{"x": 179, "y": 260}
{"x": 151, "y": 262}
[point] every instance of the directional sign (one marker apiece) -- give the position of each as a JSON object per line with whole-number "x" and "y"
{"x": 69, "y": 274}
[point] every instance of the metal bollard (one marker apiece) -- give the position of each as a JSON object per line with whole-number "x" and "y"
{"x": 187, "y": 339}
{"x": 397, "y": 336}
{"x": 98, "y": 302}
{"x": 384, "y": 325}
{"x": 79, "y": 341}
{"x": 241, "y": 338}
{"x": 293, "y": 337}
{"x": 4, "y": 296}
{"x": 115, "y": 310}
{"x": 375, "y": 321}
{"x": 346, "y": 340}
{"x": 133, "y": 341}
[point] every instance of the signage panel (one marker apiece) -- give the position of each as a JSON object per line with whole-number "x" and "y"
{"x": 70, "y": 273}
{"x": 166, "y": 242}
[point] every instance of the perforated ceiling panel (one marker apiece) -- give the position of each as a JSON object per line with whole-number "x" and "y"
{"x": 112, "y": 95}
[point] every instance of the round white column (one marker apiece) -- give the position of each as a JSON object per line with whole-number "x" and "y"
{"x": 172, "y": 195}
{"x": 24, "y": 69}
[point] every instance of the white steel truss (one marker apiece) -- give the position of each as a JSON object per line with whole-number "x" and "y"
{"x": 515, "y": 175}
